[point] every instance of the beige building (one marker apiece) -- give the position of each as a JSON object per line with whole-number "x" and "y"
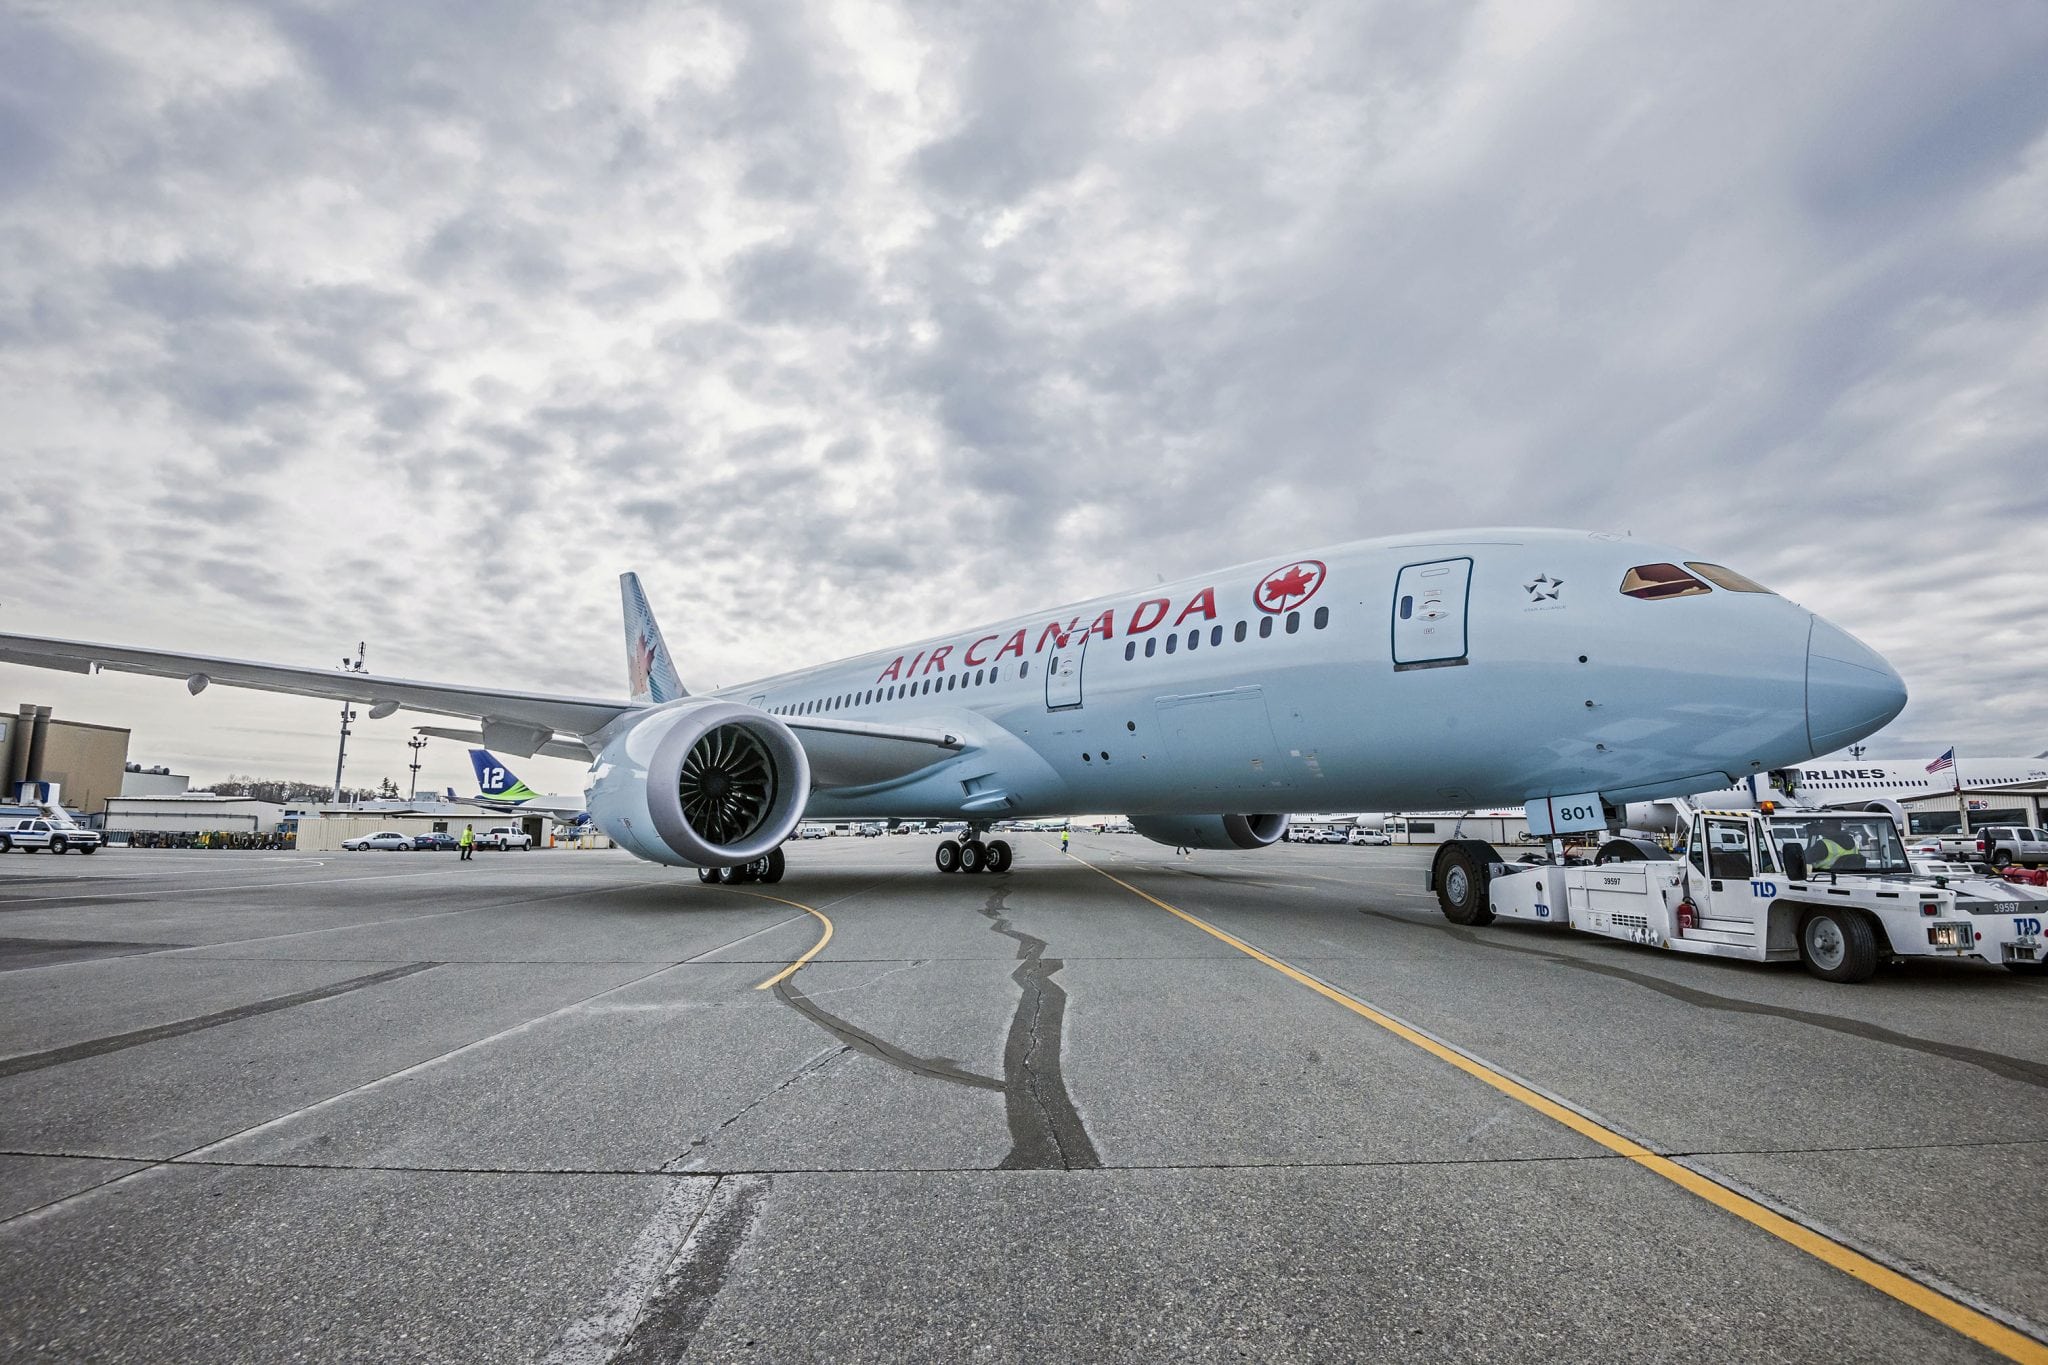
{"x": 85, "y": 761}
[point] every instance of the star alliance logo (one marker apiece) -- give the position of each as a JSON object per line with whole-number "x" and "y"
{"x": 1543, "y": 588}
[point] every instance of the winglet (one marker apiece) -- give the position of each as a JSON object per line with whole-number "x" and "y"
{"x": 652, "y": 672}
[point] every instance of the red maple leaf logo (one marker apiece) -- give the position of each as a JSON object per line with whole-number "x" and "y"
{"x": 1287, "y": 588}
{"x": 1293, "y": 583}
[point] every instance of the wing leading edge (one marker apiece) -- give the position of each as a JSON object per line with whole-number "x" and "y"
{"x": 518, "y": 722}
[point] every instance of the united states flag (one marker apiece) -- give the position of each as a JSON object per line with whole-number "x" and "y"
{"x": 1947, "y": 760}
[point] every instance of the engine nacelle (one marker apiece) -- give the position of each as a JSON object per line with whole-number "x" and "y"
{"x": 702, "y": 783}
{"x": 1210, "y": 831}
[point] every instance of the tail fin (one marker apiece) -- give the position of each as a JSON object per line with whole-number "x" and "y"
{"x": 497, "y": 781}
{"x": 648, "y": 665}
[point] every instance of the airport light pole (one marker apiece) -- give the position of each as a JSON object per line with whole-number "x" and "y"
{"x": 416, "y": 743}
{"x": 347, "y": 714}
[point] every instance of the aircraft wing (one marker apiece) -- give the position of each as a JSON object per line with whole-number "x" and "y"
{"x": 517, "y": 722}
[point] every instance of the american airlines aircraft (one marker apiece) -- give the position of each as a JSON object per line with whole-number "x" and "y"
{"x": 1845, "y": 782}
{"x": 1577, "y": 671}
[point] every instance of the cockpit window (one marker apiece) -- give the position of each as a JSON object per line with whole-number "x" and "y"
{"x": 1723, "y": 577}
{"x": 1654, "y": 582}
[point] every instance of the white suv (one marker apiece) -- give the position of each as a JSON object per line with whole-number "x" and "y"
{"x": 55, "y": 835}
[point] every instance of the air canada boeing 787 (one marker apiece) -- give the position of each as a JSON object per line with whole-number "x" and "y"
{"x": 1567, "y": 670}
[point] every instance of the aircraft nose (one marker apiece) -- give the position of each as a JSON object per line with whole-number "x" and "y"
{"x": 1851, "y": 691}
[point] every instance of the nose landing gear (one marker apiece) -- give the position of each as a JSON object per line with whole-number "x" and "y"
{"x": 972, "y": 855}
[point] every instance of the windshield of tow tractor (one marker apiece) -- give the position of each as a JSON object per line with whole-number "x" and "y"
{"x": 1844, "y": 843}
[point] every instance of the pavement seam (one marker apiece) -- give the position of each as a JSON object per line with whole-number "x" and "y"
{"x": 98, "y": 1047}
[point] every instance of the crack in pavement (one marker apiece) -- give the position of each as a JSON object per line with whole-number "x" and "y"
{"x": 693, "y": 1154}
{"x": 861, "y": 1041}
{"x": 2012, "y": 1068}
{"x": 1046, "y": 1131}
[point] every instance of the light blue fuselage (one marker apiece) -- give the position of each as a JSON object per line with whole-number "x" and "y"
{"x": 1540, "y": 679}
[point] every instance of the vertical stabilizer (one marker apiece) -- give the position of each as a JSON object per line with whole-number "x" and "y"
{"x": 648, "y": 666}
{"x": 495, "y": 780}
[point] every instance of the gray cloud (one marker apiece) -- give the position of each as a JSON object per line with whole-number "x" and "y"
{"x": 847, "y": 332}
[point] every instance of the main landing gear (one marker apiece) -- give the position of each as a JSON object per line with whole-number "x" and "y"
{"x": 972, "y": 855}
{"x": 766, "y": 869}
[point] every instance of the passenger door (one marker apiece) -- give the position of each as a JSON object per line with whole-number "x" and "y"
{"x": 1430, "y": 605}
{"x": 1063, "y": 674}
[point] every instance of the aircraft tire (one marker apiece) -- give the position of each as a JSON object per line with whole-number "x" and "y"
{"x": 775, "y": 863}
{"x": 708, "y": 875}
{"x": 947, "y": 855}
{"x": 1461, "y": 879}
{"x": 999, "y": 856}
{"x": 973, "y": 856}
{"x": 731, "y": 876}
{"x": 1837, "y": 945}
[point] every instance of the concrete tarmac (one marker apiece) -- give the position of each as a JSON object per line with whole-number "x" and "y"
{"x": 556, "y": 1106}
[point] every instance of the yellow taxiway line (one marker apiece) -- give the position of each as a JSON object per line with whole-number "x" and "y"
{"x": 1979, "y": 1327}
{"x": 815, "y": 949}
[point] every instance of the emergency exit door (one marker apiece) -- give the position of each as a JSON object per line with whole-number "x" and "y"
{"x": 1430, "y": 602}
{"x": 1063, "y": 674}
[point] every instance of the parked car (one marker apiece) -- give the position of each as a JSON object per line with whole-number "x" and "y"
{"x": 389, "y": 840}
{"x": 437, "y": 841}
{"x": 1333, "y": 835}
{"x": 1372, "y": 836}
{"x": 2004, "y": 845}
{"x": 504, "y": 838}
{"x": 58, "y": 836}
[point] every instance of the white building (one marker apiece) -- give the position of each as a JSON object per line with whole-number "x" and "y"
{"x": 137, "y": 780}
{"x": 193, "y": 813}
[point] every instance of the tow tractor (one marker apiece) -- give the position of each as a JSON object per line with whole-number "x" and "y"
{"x": 1833, "y": 890}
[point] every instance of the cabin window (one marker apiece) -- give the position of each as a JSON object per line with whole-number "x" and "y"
{"x": 1655, "y": 582}
{"x": 1194, "y": 638}
{"x": 1722, "y": 577}
{"x": 1172, "y": 641}
{"x": 1215, "y": 636}
{"x": 1024, "y": 668}
{"x": 1130, "y": 650}
{"x": 977, "y": 676}
{"x": 1265, "y": 627}
{"x": 1151, "y": 648}
{"x": 1238, "y": 634}
{"x": 1322, "y": 617}
{"x": 1293, "y": 622}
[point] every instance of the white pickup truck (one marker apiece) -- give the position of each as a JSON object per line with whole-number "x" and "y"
{"x": 504, "y": 838}
{"x": 58, "y": 836}
{"x": 1834, "y": 891}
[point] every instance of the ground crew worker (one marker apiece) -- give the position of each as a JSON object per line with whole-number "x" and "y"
{"x": 1064, "y": 836}
{"x": 1823, "y": 851}
{"x": 467, "y": 841}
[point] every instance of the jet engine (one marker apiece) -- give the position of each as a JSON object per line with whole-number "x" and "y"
{"x": 702, "y": 783}
{"x": 1210, "y": 831}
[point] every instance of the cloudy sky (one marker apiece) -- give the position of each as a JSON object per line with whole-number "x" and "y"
{"x": 846, "y": 322}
